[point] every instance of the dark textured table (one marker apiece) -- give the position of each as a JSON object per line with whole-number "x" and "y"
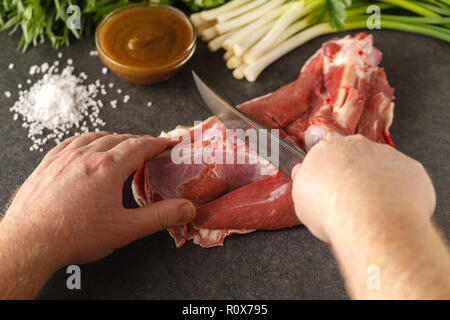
{"x": 283, "y": 264}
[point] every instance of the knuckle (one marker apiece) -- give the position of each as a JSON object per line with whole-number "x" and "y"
{"x": 124, "y": 137}
{"x": 320, "y": 148}
{"x": 359, "y": 137}
{"x": 108, "y": 139}
{"x": 162, "y": 217}
{"x": 351, "y": 144}
{"x": 420, "y": 168}
{"x": 90, "y": 135}
{"x": 48, "y": 160}
{"x": 50, "y": 155}
{"x": 100, "y": 161}
{"x": 322, "y": 144}
{"x": 353, "y": 140}
{"x": 68, "y": 140}
{"x": 73, "y": 155}
{"x": 85, "y": 136}
{"x": 137, "y": 141}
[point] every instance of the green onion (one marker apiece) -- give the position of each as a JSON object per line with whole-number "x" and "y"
{"x": 428, "y": 30}
{"x": 440, "y": 9}
{"x": 262, "y": 40}
{"x": 418, "y": 20}
{"x": 409, "y": 5}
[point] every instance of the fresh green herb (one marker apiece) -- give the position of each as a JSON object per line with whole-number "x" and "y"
{"x": 337, "y": 12}
{"x": 197, "y": 5}
{"x": 47, "y": 19}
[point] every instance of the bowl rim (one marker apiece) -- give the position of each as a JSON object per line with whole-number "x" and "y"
{"x": 176, "y": 63}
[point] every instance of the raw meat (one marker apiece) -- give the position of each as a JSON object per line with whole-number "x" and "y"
{"x": 340, "y": 91}
{"x": 220, "y": 191}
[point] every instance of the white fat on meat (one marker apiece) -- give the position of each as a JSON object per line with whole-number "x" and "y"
{"x": 316, "y": 133}
{"x": 348, "y": 65}
{"x": 358, "y": 58}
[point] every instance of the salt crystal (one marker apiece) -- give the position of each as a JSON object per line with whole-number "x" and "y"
{"x": 69, "y": 61}
{"x": 92, "y": 88}
{"x": 7, "y": 94}
{"x": 119, "y": 91}
{"x": 104, "y": 70}
{"x": 33, "y": 70}
{"x": 59, "y": 55}
{"x": 149, "y": 104}
{"x": 93, "y": 53}
{"x": 110, "y": 84}
{"x": 11, "y": 66}
{"x": 44, "y": 67}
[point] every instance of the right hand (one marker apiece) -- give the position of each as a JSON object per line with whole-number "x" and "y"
{"x": 352, "y": 175}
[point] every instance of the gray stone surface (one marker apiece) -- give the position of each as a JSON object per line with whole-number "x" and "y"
{"x": 282, "y": 264}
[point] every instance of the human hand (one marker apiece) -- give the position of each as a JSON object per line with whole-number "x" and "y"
{"x": 71, "y": 205}
{"x": 354, "y": 176}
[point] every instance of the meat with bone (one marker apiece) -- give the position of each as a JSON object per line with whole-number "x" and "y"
{"x": 340, "y": 91}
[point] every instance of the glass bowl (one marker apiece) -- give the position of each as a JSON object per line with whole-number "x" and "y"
{"x": 145, "y": 75}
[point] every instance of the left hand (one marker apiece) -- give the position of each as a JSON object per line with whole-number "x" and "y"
{"x": 70, "y": 208}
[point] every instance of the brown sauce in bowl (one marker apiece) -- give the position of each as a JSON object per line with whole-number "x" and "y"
{"x": 145, "y": 39}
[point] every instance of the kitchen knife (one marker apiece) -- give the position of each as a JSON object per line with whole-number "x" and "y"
{"x": 233, "y": 118}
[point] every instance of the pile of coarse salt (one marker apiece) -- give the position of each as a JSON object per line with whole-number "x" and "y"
{"x": 57, "y": 103}
{"x": 60, "y": 103}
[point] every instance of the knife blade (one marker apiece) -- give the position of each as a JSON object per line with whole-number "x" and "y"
{"x": 288, "y": 154}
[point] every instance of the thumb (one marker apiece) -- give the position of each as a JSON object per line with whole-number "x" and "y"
{"x": 296, "y": 189}
{"x": 158, "y": 216}
{"x": 295, "y": 170}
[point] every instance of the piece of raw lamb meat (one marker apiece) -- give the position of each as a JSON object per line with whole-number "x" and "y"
{"x": 340, "y": 91}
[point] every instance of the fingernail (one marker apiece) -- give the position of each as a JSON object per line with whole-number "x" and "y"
{"x": 187, "y": 212}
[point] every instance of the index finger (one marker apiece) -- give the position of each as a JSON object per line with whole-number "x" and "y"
{"x": 132, "y": 152}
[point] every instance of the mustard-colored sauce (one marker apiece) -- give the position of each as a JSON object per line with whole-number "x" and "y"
{"x": 146, "y": 37}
